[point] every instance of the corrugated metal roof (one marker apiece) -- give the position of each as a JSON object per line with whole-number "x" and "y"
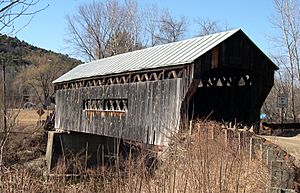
{"x": 182, "y": 52}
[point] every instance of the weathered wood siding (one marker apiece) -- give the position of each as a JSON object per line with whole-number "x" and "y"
{"x": 233, "y": 59}
{"x": 153, "y": 110}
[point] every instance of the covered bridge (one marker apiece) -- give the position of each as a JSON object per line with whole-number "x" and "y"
{"x": 147, "y": 94}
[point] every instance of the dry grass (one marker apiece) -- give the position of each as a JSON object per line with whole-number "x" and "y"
{"x": 26, "y": 139}
{"x": 28, "y": 117}
{"x": 192, "y": 163}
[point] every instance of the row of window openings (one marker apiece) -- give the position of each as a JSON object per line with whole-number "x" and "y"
{"x": 117, "y": 105}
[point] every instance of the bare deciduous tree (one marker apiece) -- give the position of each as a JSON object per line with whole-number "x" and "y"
{"x": 102, "y": 29}
{"x": 207, "y": 26}
{"x": 170, "y": 28}
{"x": 287, "y": 21}
{"x": 39, "y": 76}
{"x": 152, "y": 24}
{"x": 162, "y": 27}
{"x": 11, "y": 10}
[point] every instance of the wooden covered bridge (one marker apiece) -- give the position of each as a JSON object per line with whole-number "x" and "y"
{"x": 148, "y": 94}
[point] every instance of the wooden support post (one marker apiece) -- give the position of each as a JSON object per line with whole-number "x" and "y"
{"x": 256, "y": 148}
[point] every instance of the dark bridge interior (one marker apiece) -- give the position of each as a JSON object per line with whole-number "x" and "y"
{"x": 223, "y": 95}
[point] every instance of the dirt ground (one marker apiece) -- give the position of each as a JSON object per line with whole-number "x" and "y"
{"x": 289, "y": 144}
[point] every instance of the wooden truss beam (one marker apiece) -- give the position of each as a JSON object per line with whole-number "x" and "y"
{"x": 125, "y": 79}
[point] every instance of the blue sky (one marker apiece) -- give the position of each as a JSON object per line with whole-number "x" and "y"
{"x": 48, "y": 28}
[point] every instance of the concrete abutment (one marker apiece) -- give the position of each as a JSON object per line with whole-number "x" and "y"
{"x": 95, "y": 149}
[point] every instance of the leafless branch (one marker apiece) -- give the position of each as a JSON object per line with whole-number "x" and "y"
{"x": 207, "y": 26}
{"x": 287, "y": 22}
{"x": 101, "y": 29}
{"x": 10, "y": 11}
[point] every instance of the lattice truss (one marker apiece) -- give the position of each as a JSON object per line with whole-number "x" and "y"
{"x": 226, "y": 80}
{"x": 119, "y": 105}
{"x": 124, "y": 79}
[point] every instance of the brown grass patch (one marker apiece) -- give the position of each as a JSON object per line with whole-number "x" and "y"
{"x": 29, "y": 117}
{"x": 26, "y": 139}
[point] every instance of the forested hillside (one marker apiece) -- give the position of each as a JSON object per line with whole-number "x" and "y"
{"x": 30, "y": 71}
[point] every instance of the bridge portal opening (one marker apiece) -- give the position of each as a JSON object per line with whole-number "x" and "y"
{"x": 224, "y": 95}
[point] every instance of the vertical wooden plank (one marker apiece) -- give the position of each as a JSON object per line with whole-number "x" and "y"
{"x": 75, "y": 110}
{"x": 143, "y": 108}
{"x": 91, "y": 117}
{"x": 148, "y": 115}
{"x": 149, "y": 110}
{"x": 83, "y": 115}
{"x": 94, "y": 117}
{"x": 70, "y": 121}
{"x": 135, "y": 114}
{"x": 178, "y": 104}
{"x": 160, "y": 110}
{"x": 100, "y": 123}
{"x": 67, "y": 110}
{"x": 125, "y": 95}
{"x": 79, "y": 108}
{"x": 164, "y": 111}
{"x": 132, "y": 93}
{"x": 172, "y": 125}
{"x": 117, "y": 117}
{"x": 129, "y": 127}
{"x": 89, "y": 96}
{"x": 64, "y": 112}
{"x": 172, "y": 104}
{"x": 139, "y": 103}
{"x": 154, "y": 107}
{"x": 121, "y": 117}
{"x": 58, "y": 110}
{"x": 157, "y": 106}
{"x": 137, "y": 118}
{"x": 215, "y": 57}
{"x": 112, "y": 116}
{"x": 61, "y": 109}
{"x": 103, "y": 115}
{"x": 109, "y": 115}
{"x": 97, "y": 116}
